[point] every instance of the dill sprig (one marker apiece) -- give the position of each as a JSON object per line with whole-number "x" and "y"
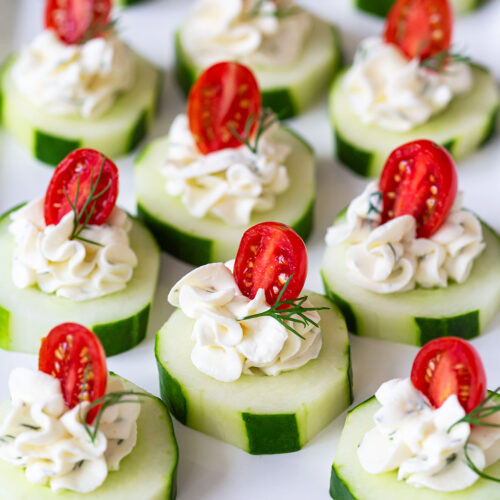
{"x": 283, "y": 10}
{"x": 263, "y": 121}
{"x": 372, "y": 207}
{"x": 476, "y": 417}
{"x": 110, "y": 399}
{"x": 95, "y": 31}
{"x": 291, "y": 310}
{"x": 443, "y": 61}
{"x": 82, "y": 217}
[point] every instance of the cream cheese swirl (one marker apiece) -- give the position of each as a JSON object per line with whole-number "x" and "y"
{"x": 412, "y": 437}
{"x": 48, "y": 440}
{"x": 397, "y": 94}
{"x": 226, "y": 348}
{"x": 246, "y": 30}
{"x": 80, "y": 79}
{"x": 45, "y": 256}
{"x": 229, "y": 184}
{"x": 388, "y": 258}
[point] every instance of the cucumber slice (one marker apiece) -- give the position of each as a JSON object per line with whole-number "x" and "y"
{"x": 287, "y": 90}
{"x": 50, "y": 138}
{"x": 209, "y": 239}
{"x": 259, "y": 414}
{"x": 465, "y": 125}
{"x": 381, "y": 7}
{"x": 120, "y": 319}
{"x": 148, "y": 473}
{"x": 420, "y": 315}
{"x": 349, "y": 481}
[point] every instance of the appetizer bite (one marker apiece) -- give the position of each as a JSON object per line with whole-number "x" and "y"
{"x": 73, "y": 255}
{"x": 411, "y": 84}
{"x": 225, "y": 166}
{"x": 249, "y": 357}
{"x": 382, "y": 7}
{"x": 71, "y": 430}
{"x": 405, "y": 262}
{"x": 78, "y": 85}
{"x": 433, "y": 436}
{"x": 293, "y": 54}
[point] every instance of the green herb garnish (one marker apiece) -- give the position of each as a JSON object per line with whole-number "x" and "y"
{"x": 99, "y": 30}
{"x": 263, "y": 121}
{"x": 475, "y": 417}
{"x": 441, "y": 62}
{"x": 82, "y": 217}
{"x": 289, "y": 310}
{"x": 372, "y": 207}
{"x": 283, "y": 9}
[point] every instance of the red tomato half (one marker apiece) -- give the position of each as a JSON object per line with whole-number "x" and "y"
{"x": 446, "y": 366}
{"x": 225, "y": 93}
{"x": 268, "y": 255}
{"x": 419, "y": 179}
{"x": 73, "y": 175}
{"x": 74, "y": 20}
{"x": 420, "y": 28}
{"x": 69, "y": 352}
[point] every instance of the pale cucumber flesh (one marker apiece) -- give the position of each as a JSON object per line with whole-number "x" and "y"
{"x": 148, "y": 473}
{"x": 350, "y": 481}
{"x": 260, "y": 414}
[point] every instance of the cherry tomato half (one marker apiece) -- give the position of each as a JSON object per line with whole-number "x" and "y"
{"x": 420, "y": 28}
{"x": 73, "y": 178}
{"x": 268, "y": 255}
{"x": 446, "y": 366}
{"x": 73, "y": 20}
{"x": 69, "y": 353}
{"x": 225, "y": 93}
{"x": 419, "y": 179}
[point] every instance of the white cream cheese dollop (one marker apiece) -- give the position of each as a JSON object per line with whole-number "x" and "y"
{"x": 230, "y": 183}
{"x": 388, "y": 258}
{"x": 386, "y": 88}
{"x": 80, "y": 79}
{"x": 43, "y": 436}
{"x": 411, "y": 436}
{"x": 45, "y": 256}
{"x": 245, "y": 30}
{"x": 226, "y": 348}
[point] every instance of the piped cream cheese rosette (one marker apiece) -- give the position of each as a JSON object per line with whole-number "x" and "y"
{"x": 408, "y": 84}
{"x": 70, "y": 426}
{"x": 437, "y": 432}
{"x": 405, "y": 255}
{"x": 77, "y": 84}
{"x": 73, "y": 255}
{"x": 293, "y": 53}
{"x": 225, "y": 165}
{"x": 239, "y": 357}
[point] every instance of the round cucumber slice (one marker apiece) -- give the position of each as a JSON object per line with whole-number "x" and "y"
{"x": 50, "y": 138}
{"x": 420, "y": 315}
{"x": 120, "y": 319}
{"x": 287, "y": 90}
{"x": 465, "y": 125}
{"x": 349, "y": 481}
{"x": 209, "y": 239}
{"x": 259, "y": 414}
{"x": 148, "y": 473}
{"x": 381, "y": 7}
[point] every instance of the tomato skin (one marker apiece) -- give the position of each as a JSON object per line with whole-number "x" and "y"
{"x": 420, "y": 179}
{"x": 420, "y": 28}
{"x": 65, "y": 353}
{"x": 81, "y": 162}
{"x": 450, "y": 365}
{"x": 74, "y": 20}
{"x": 226, "y": 92}
{"x": 269, "y": 253}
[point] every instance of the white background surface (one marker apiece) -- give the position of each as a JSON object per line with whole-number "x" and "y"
{"x": 209, "y": 469}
